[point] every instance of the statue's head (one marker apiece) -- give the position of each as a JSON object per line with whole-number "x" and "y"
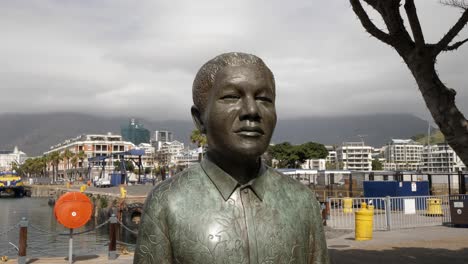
{"x": 234, "y": 104}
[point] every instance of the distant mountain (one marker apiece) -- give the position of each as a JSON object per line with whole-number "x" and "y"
{"x": 35, "y": 133}
{"x": 375, "y": 130}
{"x": 436, "y": 137}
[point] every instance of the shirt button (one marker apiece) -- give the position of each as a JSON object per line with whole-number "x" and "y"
{"x": 245, "y": 191}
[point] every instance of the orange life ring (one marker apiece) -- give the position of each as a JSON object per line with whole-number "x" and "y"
{"x": 73, "y": 209}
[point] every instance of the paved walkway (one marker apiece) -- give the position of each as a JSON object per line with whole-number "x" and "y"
{"x": 422, "y": 245}
{"x": 92, "y": 259}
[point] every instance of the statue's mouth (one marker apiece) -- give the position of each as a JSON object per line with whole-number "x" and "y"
{"x": 250, "y": 131}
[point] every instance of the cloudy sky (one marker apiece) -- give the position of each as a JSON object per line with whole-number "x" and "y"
{"x": 140, "y": 57}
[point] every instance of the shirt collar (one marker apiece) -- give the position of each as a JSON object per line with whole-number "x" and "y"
{"x": 226, "y": 184}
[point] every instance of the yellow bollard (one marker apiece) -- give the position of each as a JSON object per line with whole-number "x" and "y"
{"x": 68, "y": 185}
{"x": 347, "y": 205}
{"x": 123, "y": 192}
{"x": 434, "y": 207}
{"x": 83, "y": 188}
{"x": 363, "y": 223}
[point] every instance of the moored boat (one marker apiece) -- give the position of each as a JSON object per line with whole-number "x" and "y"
{"x": 11, "y": 184}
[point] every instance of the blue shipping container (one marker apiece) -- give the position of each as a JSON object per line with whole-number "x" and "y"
{"x": 396, "y": 189}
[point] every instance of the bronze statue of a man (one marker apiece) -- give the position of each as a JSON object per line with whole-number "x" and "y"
{"x": 231, "y": 208}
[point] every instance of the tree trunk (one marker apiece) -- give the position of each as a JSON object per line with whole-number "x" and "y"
{"x": 440, "y": 100}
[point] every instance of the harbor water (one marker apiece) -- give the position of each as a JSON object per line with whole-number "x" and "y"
{"x": 45, "y": 234}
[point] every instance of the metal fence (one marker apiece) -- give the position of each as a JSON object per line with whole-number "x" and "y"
{"x": 392, "y": 212}
{"x": 23, "y": 246}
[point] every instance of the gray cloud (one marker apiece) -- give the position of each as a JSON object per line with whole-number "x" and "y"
{"x": 123, "y": 58}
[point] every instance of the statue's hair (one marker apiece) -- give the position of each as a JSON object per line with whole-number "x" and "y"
{"x": 206, "y": 75}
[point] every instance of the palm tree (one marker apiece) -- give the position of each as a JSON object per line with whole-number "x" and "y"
{"x": 198, "y": 138}
{"x": 46, "y": 160}
{"x": 74, "y": 162}
{"x": 55, "y": 159}
{"x": 81, "y": 156}
{"x": 67, "y": 155}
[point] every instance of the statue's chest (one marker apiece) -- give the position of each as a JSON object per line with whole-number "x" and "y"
{"x": 243, "y": 229}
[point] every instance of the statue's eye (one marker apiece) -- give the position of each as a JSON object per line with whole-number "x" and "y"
{"x": 230, "y": 97}
{"x": 264, "y": 99}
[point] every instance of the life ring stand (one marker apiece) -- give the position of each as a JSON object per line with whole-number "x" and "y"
{"x": 73, "y": 209}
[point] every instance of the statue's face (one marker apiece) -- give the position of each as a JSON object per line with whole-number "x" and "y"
{"x": 240, "y": 115}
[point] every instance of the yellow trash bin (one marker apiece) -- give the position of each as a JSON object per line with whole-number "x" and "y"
{"x": 83, "y": 187}
{"x": 68, "y": 185}
{"x": 364, "y": 219}
{"x": 434, "y": 207}
{"x": 347, "y": 205}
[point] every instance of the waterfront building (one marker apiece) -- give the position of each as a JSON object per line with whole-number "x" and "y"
{"x": 333, "y": 177}
{"x": 148, "y": 160}
{"x": 403, "y": 154}
{"x": 355, "y": 156}
{"x": 160, "y": 137}
{"x": 187, "y": 157}
{"x": 331, "y": 157}
{"x": 441, "y": 158}
{"x": 135, "y": 132}
{"x": 169, "y": 151}
{"x": 8, "y": 157}
{"x": 305, "y": 176}
{"x": 314, "y": 164}
{"x": 93, "y": 145}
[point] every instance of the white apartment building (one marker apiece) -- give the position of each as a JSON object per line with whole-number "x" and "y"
{"x": 441, "y": 158}
{"x": 148, "y": 160}
{"x": 403, "y": 154}
{"x": 93, "y": 145}
{"x": 331, "y": 157}
{"x": 314, "y": 164}
{"x": 8, "y": 157}
{"x": 160, "y": 137}
{"x": 355, "y": 156}
{"x": 187, "y": 157}
{"x": 169, "y": 151}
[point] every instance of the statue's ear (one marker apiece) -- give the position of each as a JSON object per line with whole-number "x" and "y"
{"x": 197, "y": 119}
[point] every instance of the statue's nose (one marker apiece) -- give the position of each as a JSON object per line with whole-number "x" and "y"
{"x": 250, "y": 109}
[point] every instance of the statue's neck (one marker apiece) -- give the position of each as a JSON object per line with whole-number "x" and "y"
{"x": 243, "y": 169}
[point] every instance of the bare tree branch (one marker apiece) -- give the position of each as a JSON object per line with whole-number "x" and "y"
{"x": 414, "y": 23}
{"x": 455, "y": 3}
{"x": 452, "y": 33}
{"x": 367, "y": 23}
{"x": 390, "y": 12}
{"x": 456, "y": 45}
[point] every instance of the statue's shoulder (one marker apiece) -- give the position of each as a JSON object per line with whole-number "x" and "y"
{"x": 291, "y": 185}
{"x": 176, "y": 184}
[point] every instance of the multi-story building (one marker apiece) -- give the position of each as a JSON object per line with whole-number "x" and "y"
{"x": 164, "y": 136}
{"x": 169, "y": 151}
{"x": 314, "y": 164}
{"x": 135, "y": 132}
{"x": 8, "y": 157}
{"x": 441, "y": 158}
{"x": 93, "y": 145}
{"x": 149, "y": 159}
{"x": 355, "y": 156}
{"x": 187, "y": 157}
{"x": 331, "y": 157}
{"x": 403, "y": 154}
{"x": 160, "y": 137}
